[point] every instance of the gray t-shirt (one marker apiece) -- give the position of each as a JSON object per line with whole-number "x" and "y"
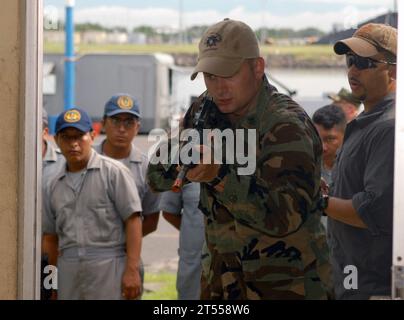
{"x": 75, "y": 179}
{"x": 326, "y": 174}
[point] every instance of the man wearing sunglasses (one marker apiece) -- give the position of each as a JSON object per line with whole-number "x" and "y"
{"x": 360, "y": 206}
{"x": 121, "y": 123}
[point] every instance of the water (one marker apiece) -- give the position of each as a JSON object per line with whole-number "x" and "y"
{"x": 311, "y": 85}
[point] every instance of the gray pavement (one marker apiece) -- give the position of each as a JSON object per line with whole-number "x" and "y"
{"x": 160, "y": 249}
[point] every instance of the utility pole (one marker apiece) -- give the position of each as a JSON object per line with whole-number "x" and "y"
{"x": 69, "y": 80}
{"x": 180, "y": 23}
{"x": 263, "y": 34}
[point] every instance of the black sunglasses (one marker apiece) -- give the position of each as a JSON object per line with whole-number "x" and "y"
{"x": 363, "y": 63}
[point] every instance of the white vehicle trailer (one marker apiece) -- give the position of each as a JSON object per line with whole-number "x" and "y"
{"x": 148, "y": 77}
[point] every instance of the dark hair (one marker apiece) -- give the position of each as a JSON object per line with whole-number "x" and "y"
{"x": 330, "y": 116}
{"x": 389, "y": 56}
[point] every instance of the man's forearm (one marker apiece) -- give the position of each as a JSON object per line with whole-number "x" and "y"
{"x": 343, "y": 211}
{"x": 173, "y": 219}
{"x": 133, "y": 241}
{"x": 50, "y": 248}
{"x": 150, "y": 222}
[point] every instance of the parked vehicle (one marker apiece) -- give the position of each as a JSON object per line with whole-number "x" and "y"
{"x": 148, "y": 77}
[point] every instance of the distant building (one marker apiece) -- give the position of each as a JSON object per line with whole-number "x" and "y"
{"x": 59, "y": 37}
{"x": 137, "y": 38}
{"x": 54, "y": 36}
{"x": 93, "y": 37}
{"x": 156, "y": 39}
{"x": 291, "y": 41}
{"x": 117, "y": 37}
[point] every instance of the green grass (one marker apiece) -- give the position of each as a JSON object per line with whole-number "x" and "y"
{"x": 303, "y": 51}
{"x": 300, "y": 52}
{"x": 162, "y": 286}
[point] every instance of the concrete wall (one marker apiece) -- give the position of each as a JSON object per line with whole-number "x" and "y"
{"x": 10, "y": 68}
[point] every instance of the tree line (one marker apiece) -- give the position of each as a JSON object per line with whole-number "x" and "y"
{"x": 197, "y": 31}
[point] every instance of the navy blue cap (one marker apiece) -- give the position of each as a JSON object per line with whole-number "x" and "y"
{"x": 121, "y": 103}
{"x": 74, "y": 118}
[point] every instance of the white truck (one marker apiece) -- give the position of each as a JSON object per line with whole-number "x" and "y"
{"x": 148, "y": 77}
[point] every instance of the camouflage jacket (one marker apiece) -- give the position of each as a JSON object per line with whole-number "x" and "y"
{"x": 264, "y": 239}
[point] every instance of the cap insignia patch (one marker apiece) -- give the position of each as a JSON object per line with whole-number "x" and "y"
{"x": 125, "y": 102}
{"x": 72, "y": 116}
{"x": 213, "y": 39}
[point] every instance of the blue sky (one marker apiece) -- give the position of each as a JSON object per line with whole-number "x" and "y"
{"x": 271, "y": 13}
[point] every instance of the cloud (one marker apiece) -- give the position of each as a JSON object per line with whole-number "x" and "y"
{"x": 128, "y": 17}
{"x": 367, "y": 3}
{"x": 169, "y": 18}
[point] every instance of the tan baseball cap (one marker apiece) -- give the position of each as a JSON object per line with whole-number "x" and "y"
{"x": 224, "y": 46}
{"x": 369, "y": 40}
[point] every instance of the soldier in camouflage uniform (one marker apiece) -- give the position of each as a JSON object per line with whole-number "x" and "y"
{"x": 264, "y": 239}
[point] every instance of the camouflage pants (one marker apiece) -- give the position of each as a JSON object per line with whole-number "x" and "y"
{"x": 227, "y": 278}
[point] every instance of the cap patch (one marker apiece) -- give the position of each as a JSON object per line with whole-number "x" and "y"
{"x": 125, "y": 102}
{"x": 212, "y": 40}
{"x": 72, "y": 116}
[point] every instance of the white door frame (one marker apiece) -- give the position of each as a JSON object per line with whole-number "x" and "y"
{"x": 30, "y": 149}
{"x": 398, "y": 222}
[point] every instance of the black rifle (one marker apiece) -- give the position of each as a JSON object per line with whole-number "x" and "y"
{"x": 198, "y": 123}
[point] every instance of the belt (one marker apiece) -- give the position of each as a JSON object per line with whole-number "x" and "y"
{"x": 93, "y": 252}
